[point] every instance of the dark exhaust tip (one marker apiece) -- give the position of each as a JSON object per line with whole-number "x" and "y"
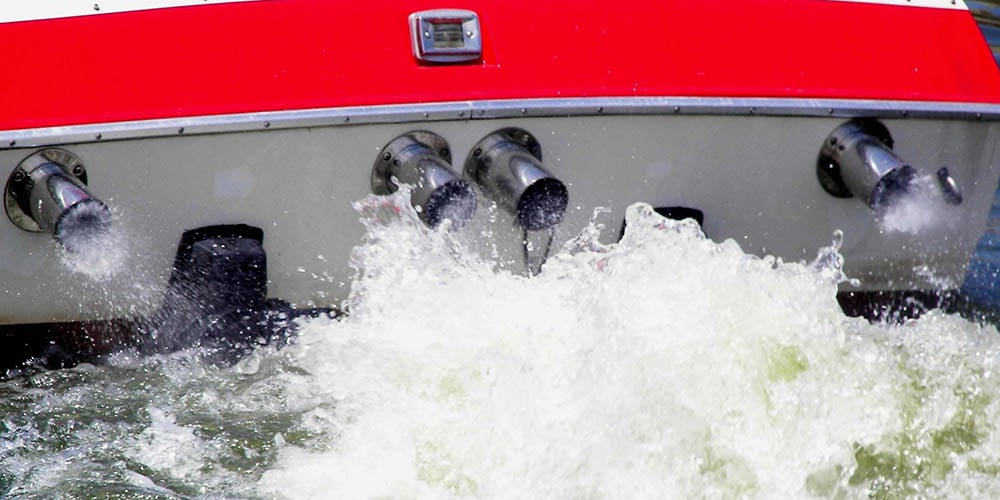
{"x": 543, "y": 204}
{"x": 455, "y": 200}
{"x": 83, "y": 225}
{"x": 892, "y": 186}
{"x": 422, "y": 160}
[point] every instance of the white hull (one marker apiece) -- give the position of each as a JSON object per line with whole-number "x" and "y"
{"x": 751, "y": 169}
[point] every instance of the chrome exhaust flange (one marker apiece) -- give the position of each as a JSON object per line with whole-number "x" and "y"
{"x": 47, "y": 192}
{"x": 856, "y": 159}
{"x": 422, "y": 160}
{"x": 507, "y": 165}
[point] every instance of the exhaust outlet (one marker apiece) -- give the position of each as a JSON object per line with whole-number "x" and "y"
{"x": 507, "y": 165}
{"x": 857, "y": 160}
{"x": 47, "y": 192}
{"x": 422, "y": 160}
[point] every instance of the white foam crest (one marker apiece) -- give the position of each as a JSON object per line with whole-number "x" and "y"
{"x": 665, "y": 366}
{"x": 168, "y": 447}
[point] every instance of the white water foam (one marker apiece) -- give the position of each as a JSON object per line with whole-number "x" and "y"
{"x": 666, "y": 366}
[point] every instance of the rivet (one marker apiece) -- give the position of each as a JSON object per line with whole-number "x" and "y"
{"x": 98, "y": 136}
{"x": 347, "y": 119}
{"x": 426, "y": 115}
{"x": 677, "y": 109}
{"x": 524, "y": 111}
{"x": 829, "y": 111}
{"x": 600, "y": 109}
{"x": 267, "y": 124}
{"x": 18, "y": 176}
{"x": 12, "y": 143}
{"x": 180, "y": 130}
{"x": 478, "y": 152}
{"x": 461, "y": 113}
{"x": 427, "y": 34}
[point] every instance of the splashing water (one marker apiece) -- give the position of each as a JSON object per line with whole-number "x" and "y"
{"x": 920, "y": 209}
{"x": 97, "y": 256}
{"x": 665, "y": 366}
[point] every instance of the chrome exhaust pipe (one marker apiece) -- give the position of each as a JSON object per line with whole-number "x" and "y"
{"x": 507, "y": 165}
{"x": 47, "y": 193}
{"x": 422, "y": 160}
{"x": 857, "y": 160}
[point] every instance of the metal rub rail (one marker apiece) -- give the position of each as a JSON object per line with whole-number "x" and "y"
{"x": 492, "y": 109}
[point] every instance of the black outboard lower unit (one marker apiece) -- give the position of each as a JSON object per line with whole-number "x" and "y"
{"x": 217, "y": 297}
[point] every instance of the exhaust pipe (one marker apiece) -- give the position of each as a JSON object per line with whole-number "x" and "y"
{"x": 857, "y": 160}
{"x": 507, "y": 164}
{"x": 422, "y": 160}
{"x": 47, "y": 192}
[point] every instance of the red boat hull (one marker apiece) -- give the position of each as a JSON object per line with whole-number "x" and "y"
{"x": 305, "y": 54}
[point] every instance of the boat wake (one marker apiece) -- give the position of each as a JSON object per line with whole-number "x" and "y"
{"x": 666, "y": 365}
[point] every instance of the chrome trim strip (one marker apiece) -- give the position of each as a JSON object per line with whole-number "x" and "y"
{"x": 493, "y": 109}
{"x": 735, "y": 106}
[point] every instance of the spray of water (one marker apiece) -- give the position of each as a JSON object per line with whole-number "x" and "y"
{"x": 97, "y": 255}
{"x": 921, "y": 208}
{"x": 109, "y": 268}
{"x": 664, "y": 366}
